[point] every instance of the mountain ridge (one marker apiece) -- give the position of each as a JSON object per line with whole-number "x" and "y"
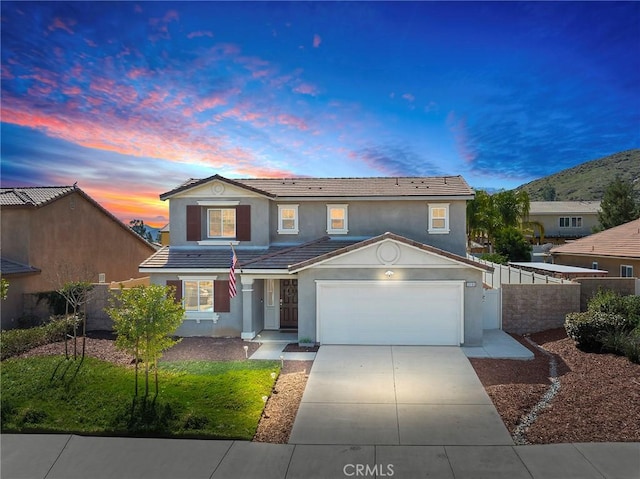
{"x": 588, "y": 181}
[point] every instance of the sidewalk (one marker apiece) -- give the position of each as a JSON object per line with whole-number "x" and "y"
{"x": 40, "y": 456}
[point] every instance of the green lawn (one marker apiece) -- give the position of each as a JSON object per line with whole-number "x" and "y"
{"x": 196, "y": 399}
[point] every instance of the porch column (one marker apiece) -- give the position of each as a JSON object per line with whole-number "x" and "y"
{"x": 247, "y": 307}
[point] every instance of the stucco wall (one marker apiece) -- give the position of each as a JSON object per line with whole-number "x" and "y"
{"x": 228, "y": 325}
{"x": 68, "y": 239}
{"x": 590, "y": 286}
{"x": 552, "y": 228}
{"x": 259, "y": 219}
{"x": 612, "y": 265}
{"x": 371, "y": 218}
{"x": 528, "y": 308}
{"x": 472, "y": 296}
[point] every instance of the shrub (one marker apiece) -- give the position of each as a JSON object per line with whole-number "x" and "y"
{"x": 589, "y": 329}
{"x": 494, "y": 258}
{"x": 17, "y": 341}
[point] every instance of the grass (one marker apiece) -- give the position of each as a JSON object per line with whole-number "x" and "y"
{"x": 196, "y": 398}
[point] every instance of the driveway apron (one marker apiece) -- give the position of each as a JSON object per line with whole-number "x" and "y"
{"x": 409, "y": 395}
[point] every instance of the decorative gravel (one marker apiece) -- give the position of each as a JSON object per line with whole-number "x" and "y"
{"x": 597, "y": 400}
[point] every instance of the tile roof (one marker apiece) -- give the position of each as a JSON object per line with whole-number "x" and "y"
{"x": 279, "y": 257}
{"x": 342, "y": 187}
{"x": 376, "y": 239}
{"x": 561, "y": 207}
{"x": 32, "y": 195}
{"x": 621, "y": 241}
{"x": 273, "y": 257}
{"x": 38, "y": 196}
{"x": 8, "y": 267}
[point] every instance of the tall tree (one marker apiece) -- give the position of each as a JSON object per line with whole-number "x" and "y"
{"x": 618, "y": 205}
{"x": 141, "y": 229}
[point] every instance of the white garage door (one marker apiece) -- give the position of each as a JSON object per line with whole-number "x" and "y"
{"x": 390, "y": 312}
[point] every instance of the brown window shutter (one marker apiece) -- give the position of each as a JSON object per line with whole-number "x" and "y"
{"x": 177, "y": 284}
{"x": 194, "y": 223}
{"x": 243, "y": 223}
{"x": 221, "y": 299}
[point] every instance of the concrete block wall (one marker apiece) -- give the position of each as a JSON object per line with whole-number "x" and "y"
{"x": 590, "y": 286}
{"x": 528, "y": 308}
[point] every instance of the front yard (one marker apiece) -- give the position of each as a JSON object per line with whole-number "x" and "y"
{"x": 92, "y": 396}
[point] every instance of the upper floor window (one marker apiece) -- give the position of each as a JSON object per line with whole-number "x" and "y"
{"x": 222, "y": 222}
{"x": 439, "y": 218}
{"x": 571, "y": 222}
{"x": 337, "y": 219}
{"x": 288, "y": 219}
{"x": 626, "y": 271}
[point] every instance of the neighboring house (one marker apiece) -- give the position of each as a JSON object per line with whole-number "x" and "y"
{"x": 616, "y": 250}
{"x": 54, "y": 234}
{"x": 564, "y": 220}
{"x": 340, "y": 260}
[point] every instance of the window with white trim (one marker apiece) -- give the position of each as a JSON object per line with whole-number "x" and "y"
{"x": 570, "y": 222}
{"x": 439, "y": 218}
{"x": 337, "y": 219}
{"x": 221, "y": 222}
{"x": 626, "y": 271}
{"x": 288, "y": 219}
{"x": 594, "y": 265}
{"x": 197, "y": 295}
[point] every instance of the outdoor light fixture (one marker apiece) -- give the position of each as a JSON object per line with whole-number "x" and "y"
{"x": 282, "y": 360}
{"x": 246, "y": 351}
{"x": 388, "y": 273}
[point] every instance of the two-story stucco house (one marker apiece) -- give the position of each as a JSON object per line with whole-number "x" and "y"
{"x": 340, "y": 260}
{"x": 564, "y": 220}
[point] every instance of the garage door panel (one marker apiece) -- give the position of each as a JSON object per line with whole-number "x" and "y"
{"x": 371, "y": 312}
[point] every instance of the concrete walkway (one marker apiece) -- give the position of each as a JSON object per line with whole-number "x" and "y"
{"x": 40, "y": 456}
{"x": 396, "y": 395}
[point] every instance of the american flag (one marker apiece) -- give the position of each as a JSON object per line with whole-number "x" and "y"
{"x": 232, "y": 275}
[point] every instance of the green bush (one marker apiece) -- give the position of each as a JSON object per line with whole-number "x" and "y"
{"x": 589, "y": 329}
{"x": 17, "y": 341}
{"x": 494, "y": 258}
{"x": 608, "y": 301}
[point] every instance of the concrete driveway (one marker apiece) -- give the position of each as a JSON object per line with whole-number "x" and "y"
{"x": 409, "y": 395}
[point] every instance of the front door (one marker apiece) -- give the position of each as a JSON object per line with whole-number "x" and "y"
{"x": 289, "y": 303}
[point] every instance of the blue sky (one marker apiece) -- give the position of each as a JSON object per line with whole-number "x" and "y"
{"x": 130, "y": 99}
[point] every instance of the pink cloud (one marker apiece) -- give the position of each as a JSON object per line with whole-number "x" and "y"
{"x": 409, "y": 97}
{"x": 317, "y": 40}
{"x": 292, "y": 120}
{"x": 306, "y": 89}
{"x": 200, "y": 33}
{"x": 458, "y": 127}
{"x": 60, "y": 24}
{"x": 90, "y": 43}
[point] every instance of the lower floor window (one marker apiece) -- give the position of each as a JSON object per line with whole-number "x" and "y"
{"x": 198, "y": 295}
{"x": 626, "y": 271}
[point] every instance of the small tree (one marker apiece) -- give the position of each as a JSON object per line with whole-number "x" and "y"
{"x": 140, "y": 228}
{"x": 510, "y": 242}
{"x": 144, "y": 318}
{"x": 4, "y": 288}
{"x": 77, "y": 295}
{"x": 618, "y": 205}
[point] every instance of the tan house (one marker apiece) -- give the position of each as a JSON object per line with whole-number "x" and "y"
{"x": 564, "y": 220}
{"x": 54, "y": 234}
{"x": 616, "y": 250}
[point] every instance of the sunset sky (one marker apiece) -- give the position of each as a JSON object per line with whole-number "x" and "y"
{"x": 131, "y": 99}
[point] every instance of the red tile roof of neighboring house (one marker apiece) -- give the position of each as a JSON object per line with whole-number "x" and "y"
{"x": 453, "y": 186}
{"x": 621, "y": 241}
